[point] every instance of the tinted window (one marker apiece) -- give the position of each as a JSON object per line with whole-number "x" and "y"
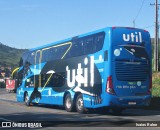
{"x": 23, "y": 59}
{"x": 54, "y": 53}
{"x": 137, "y": 51}
{"x": 80, "y": 46}
{"x": 37, "y": 57}
{"x": 56, "y": 80}
{"x": 98, "y": 42}
{"x": 76, "y": 49}
{"x": 86, "y": 45}
{"x": 31, "y": 58}
{"x": 21, "y": 62}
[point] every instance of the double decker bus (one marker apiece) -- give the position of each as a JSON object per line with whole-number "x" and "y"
{"x": 107, "y": 68}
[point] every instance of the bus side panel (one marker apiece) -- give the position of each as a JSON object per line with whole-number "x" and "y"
{"x": 48, "y": 96}
{"x": 21, "y": 91}
{"x": 20, "y": 95}
{"x": 93, "y": 98}
{"x": 102, "y": 61}
{"x": 107, "y": 98}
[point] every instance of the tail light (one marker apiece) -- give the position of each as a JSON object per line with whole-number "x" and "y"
{"x": 109, "y": 86}
{"x": 150, "y": 86}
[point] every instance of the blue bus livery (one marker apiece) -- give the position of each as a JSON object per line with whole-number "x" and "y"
{"x": 110, "y": 68}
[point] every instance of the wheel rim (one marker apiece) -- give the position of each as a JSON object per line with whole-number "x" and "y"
{"x": 26, "y": 98}
{"x": 68, "y": 102}
{"x": 80, "y": 104}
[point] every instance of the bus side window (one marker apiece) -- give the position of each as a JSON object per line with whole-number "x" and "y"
{"x": 45, "y": 55}
{"x": 20, "y": 76}
{"x": 88, "y": 46}
{"x": 62, "y": 50}
{"x": 23, "y": 59}
{"x": 43, "y": 79}
{"x": 29, "y": 82}
{"x": 58, "y": 53}
{"x": 27, "y": 69}
{"x": 57, "y": 80}
{"x": 98, "y": 43}
{"x": 53, "y": 54}
{"x": 21, "y": 62}
{"x": 77, "y": 49}
{"x": 106, "y": 55}
{"x": 31, "y": 58}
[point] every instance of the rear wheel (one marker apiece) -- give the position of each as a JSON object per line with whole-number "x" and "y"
{"x": 68, "y": 103}
{"x": 80, "y": 104}
{"x": 26, "y": 100}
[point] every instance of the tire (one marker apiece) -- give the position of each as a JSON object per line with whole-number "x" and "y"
{"x": 80, "y": 104}
{"x": 26, "y": 100}
{"x": 68, "y": 103}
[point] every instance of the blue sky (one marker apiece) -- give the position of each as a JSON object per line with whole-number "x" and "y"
{"x": 31, "y": 23}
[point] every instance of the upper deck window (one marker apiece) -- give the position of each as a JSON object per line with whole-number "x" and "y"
{"x": 86, "y": 45}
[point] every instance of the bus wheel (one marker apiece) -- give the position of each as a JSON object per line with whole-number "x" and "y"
{"x": 79, "y": 104}
{"x": 26, "y": 100}
{"x": 68, "y": 103}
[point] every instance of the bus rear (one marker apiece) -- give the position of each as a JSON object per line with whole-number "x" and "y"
{"x": 130, "y": 81}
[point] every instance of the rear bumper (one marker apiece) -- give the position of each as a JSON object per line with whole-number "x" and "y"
{"x": 130, "y": 101}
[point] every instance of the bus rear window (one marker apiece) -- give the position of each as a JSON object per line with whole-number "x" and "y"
{"x": 137, "y": 51}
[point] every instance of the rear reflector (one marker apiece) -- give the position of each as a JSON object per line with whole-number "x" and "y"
{"x": 109, "y": 86}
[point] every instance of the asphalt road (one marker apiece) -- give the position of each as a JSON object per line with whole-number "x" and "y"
{"x": 55, "y": 116}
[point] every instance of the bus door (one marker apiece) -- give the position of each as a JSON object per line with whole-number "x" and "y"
{"x": 42, "y": 91}
{"x": 37, "y": 69}
{"x": 36, "y": 94}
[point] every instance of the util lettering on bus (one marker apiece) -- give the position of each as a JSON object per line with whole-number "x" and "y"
{"x": 80, "y": 75}
{"x": 133, "y": 37}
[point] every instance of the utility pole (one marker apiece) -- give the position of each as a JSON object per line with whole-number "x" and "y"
{"x": 156, "y": 40}
{"x": 134, "y": 23}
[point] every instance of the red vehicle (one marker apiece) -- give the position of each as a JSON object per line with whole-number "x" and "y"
{"x": 11, "y": 85}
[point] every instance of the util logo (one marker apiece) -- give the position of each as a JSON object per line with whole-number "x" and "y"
{"x": 80, "y": 75}
{"x": 133, "y": 37}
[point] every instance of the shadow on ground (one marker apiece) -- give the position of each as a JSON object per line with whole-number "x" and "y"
{"x": 154, "y": 105}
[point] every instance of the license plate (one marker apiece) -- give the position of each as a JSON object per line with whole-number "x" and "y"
{"x": 131, "y": 103}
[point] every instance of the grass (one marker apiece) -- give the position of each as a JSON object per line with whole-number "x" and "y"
{"x": 155, "y": 101}
{"x": 156, "y": 85}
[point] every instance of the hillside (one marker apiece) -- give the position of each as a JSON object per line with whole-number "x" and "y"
{"x": 10, "y": 56}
